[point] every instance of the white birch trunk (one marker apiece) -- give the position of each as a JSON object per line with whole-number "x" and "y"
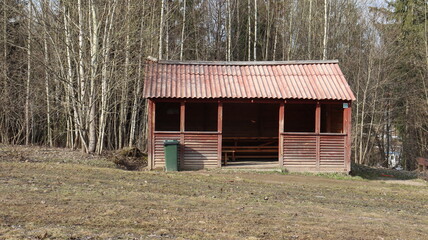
{"x": 81, "y": 78}
{"x": 69, "y": 86}
{"x": 182, "y": 31}
{"x": 290, "y": 29}
{"x": 229, "y": 30}
{"x": 104, "y": 76}
{"x": 5, "y": 123}
{"x": 124, "y": 95}
{"x": 310, "y": 30}
{"x": 161, "y": 30}
{"x": 81, "y": 106}
{"x": 324, "y": 52}
{"x": 134, "y": 110}
{"x": 46, "y": 53}
{"x": 255, "y": 32}
{"x": 268, "y": 30}
{"x": 94, "y": 71}
{"x": 275, "y": 43}
{"x": 361, "y": 153}
{"x": 249, "y": 30}
{"x": 426, "y": 57}
{"x": 27, "y": 93}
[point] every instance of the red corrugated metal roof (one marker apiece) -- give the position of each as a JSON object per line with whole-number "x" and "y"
{"x": 320, "y": 80}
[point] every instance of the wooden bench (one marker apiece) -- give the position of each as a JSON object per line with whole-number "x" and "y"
{"x": 422, "y": 163}
{"x": 249, "y": 147}
{"x": 226, "y": 156}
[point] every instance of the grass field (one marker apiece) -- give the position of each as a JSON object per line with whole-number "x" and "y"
{"x": 59, "y": 194}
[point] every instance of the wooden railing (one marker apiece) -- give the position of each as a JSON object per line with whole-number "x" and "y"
{"x": 314, "y": 152}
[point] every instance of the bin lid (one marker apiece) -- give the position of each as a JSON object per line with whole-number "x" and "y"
{"x": 171, "y": 142}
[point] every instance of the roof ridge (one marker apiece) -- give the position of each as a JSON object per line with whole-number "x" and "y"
{"x": 242, "y": 63}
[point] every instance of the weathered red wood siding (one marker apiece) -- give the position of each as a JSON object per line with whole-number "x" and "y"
{"x": 300, "y": 152}
{"x": 332, "y": 153}
{"x": 159, "y": 153}
{"x": 199, "y": 150}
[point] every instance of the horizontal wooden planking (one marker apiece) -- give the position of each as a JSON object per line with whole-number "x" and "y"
{"x": 300, "y": 150}
{"x": 332, "y": 151}
{"x": 200, "y": 151}
{"x": 159, "y": 154}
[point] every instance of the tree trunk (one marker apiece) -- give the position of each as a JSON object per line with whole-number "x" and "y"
{"x": 27, "y": 95}
{"x": 310, "y": 30}
{"x": 69, "y": 86}
{"x": 81, "y": 79}
{"x": 229, "y": 30}
{"x": 268, "y": 32}
{"x": 426, "y": 55}
{"x": 255, "y": 32}
{"x": 94, "y": 71}
{"x": 324, "y": 52}
{"x": 249, "y": 31}
{"x": 161, "y": 29}
{"x": 46, "y": 53}
{"x": 124, "y": 96}
{"x": 361, "y": 155}
{"x": 182, "y": 31}
{"x": 138, "y": 85}
{"x": 290, "y": 31}
{"x": 104, "y": 76}
{"x": 165, "y": 20}
{"x": 4, "y": 127}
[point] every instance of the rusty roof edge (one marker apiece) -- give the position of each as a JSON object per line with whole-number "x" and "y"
{"x": 243, "y": 63}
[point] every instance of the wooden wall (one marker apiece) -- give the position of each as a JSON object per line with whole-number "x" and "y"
{"x": 314, "y": 152}
{"x": 196, "y": 151}
{"x": 200, "y": 151}
{"x": 158, "y": 148}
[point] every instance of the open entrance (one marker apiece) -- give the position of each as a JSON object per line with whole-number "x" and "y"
{"x": 250, "y": 134}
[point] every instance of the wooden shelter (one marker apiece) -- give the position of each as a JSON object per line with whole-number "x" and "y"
{"x": 294, "y": 114}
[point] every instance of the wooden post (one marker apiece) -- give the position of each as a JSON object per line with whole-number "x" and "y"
{"x": 150, "y": 138}
{"x": 280, "y": 136}
{"x": 347, "y": 128}
{"x": 317, "y": 133}
{"x": 182, "y": 129}
{"x": 220, "y": 131}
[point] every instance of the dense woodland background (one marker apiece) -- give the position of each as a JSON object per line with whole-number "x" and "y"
{"x": 71, "y": 71}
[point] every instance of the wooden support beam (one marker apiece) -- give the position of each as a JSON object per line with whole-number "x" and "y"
{"x": 317, "y": 132}
{"x": 347, "y": 128}
{"x": 151, "y": 127}
{"x": 182, "y": 116}
{"x": 280, "y": 136}
{"x": 220, "y": 131}
{"x": 182, "y": 129}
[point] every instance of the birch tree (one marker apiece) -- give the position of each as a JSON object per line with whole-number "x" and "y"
{"x": 182, "y": 30}
{"x": 324, "y": 51}
{"x": 161, "y": 29}
{"x": 255, "y": 32}
{"x": 27, "y": 95}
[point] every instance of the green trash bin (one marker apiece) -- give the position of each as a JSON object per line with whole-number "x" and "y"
{"x": 171, "y": 155}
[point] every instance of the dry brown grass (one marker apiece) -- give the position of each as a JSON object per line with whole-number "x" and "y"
{"x": 80, "y": 199}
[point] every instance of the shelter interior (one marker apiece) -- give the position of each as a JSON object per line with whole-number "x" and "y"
{"x": 250, "y": 130}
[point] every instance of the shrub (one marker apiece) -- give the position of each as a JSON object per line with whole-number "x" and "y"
{"x": 130, "y": 159}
